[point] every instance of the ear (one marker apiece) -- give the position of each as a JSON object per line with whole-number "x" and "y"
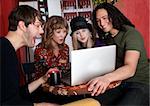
{"x": 22, "y": 26}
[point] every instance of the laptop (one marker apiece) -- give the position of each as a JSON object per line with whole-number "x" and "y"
{"x": 89, "y": 63}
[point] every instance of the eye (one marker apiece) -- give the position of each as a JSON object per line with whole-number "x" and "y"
{"x": 77, "y": 33}
{"x": 105, "y": 17}
{"x": 97, "y": 20}
{"x": 38, "y": 26}
{"x": 64, "y": 30}
{"x": 58, "y": 31}
{"x": 84, "y": 30}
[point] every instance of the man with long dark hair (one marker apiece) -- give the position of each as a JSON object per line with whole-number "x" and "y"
{"x": 131, "y": 61}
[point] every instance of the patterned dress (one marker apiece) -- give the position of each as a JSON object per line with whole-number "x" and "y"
{"x": 45, "y": 59}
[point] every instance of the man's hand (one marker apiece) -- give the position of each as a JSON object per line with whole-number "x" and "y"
{"x": 98, "y": 85}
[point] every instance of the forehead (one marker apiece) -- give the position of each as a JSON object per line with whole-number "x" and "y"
{"x": 63, "y": 28}
{"x": 101, "y": 13}
{"x": 85, "y": 29}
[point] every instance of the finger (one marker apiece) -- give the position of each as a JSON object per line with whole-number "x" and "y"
{"x": 99, "y": 91}
{"x": 103, "y": 90}
{"x": 48, "y": 75}
{"x": 91, "y": 85}
{"x": 96, "y": 88}
{"x": 88, "y": 83}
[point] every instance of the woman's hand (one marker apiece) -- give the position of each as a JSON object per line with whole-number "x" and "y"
{"x": 98, "y": 85}
{"x": 47, "y": 75}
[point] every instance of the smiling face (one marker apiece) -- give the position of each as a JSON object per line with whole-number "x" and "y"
{"x": 103, "y": 20}
{"x": 82, "y": 35}
{"x": 33, "y": 30}
{"x": 59, "y": 35}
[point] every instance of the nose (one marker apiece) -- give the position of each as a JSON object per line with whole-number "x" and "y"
{"x": 81, "y": 34}
{"x": 101, "y": 22}
{"x": 63, "y": 34}
{"x": 41, "y": 31}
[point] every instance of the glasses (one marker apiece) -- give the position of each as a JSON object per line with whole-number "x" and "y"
{"x": 38, "y": 25}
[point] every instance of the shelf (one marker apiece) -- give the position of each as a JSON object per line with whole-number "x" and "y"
{"x": 85, "y": 9}
{"x": 69, "y": 10}
{"x": 73, "y": 8}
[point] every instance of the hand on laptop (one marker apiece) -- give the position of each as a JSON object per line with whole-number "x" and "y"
{"x": 98, "y": 85}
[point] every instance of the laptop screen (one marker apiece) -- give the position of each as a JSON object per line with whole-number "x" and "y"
{"x": 89, "y": 63}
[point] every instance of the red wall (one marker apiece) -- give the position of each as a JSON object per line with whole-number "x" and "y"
{"x": 138, "y": 12}
{"x": 6, "y": 7}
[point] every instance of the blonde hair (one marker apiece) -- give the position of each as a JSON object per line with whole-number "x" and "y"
{"x": 78, "y": 45}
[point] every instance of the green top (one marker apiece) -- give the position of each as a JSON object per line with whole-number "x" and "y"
{"x": 131, "y": 39}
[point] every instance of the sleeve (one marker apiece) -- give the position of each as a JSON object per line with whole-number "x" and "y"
{"x": 39, "y": 63}
{"x": 24, "y": 92}
{"x": 66, "y": 57}
{"x": 134, "y": 41}
{"x": 10, "y": 91}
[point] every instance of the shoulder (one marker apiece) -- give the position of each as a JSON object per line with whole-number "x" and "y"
{"x": 132, "y": 33}
{"x": 5, "y": 44}
{"x": 3, "y": 40}
{"x": 40, "y": 50}
{"x": 130, "y": 29}
{"x": 66, "y": 46}
{"x": 133, "y": 39}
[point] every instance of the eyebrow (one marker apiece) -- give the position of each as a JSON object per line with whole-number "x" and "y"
{"x": 38, "y": 22}
{"x": 102, "y": 16}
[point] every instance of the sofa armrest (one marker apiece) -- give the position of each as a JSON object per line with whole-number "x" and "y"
{"x": 84, "y": 102}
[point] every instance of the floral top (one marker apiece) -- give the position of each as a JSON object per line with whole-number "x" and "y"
{"x": 45, "y": 59}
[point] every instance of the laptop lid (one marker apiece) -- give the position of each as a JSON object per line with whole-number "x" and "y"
{"x": 89, "y": 63}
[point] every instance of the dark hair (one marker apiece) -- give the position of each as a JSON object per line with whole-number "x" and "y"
{"x": 114, "y": 14}
{"x": 23, "y": 13}
{"x": 52, "y": 23}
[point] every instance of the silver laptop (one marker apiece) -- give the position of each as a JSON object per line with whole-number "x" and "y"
{"x": 89, "y": 63}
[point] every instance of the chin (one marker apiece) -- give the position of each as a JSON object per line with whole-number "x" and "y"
{"x": 83, "y": 41}
{"x": 60, "y": 43}
{"x": 31, "y": 45}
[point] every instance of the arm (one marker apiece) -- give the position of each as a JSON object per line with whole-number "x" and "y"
{"x": 35, "y": 84}
{"x": 129, "y": 68}
{"x": 100, "y": 84}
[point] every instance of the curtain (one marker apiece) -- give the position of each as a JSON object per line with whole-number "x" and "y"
{"x": 5, "y": 9}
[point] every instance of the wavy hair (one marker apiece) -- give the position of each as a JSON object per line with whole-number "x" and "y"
{"x": 52, "y": 23}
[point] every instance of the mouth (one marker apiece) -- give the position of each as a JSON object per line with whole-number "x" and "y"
{"x": 82, "y": 38}
{"x": 33, "y": 41}
{"x": 103, "y": 28}
{"x": 60, "y": 40}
